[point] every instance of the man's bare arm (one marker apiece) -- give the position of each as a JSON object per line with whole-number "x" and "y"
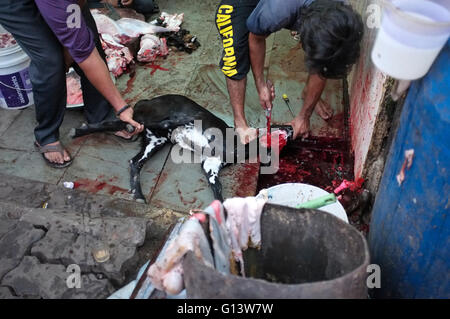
{"x": 314, "y": 88}
{"x": 257, "y": 45}
{"x": 97, "y": 72}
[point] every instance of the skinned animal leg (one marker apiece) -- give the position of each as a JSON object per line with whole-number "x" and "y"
{"x": 151, "y": 144}
{"x": 212, "y": 166}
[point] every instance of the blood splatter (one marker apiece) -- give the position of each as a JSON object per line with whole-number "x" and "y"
{"x": 323, "y": 162}
{"x": 97, "y": 185}
{"x": 269, "y": 120}
{"x": 353, "y": 186}
{"x": 155, "y": 67}
{"x": 7, "y": 40}
{"x": 276, "y": 138}
{"x": 130, "y": 84}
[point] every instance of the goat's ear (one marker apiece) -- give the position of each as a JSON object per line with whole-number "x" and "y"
{"x": 287, "y": 128}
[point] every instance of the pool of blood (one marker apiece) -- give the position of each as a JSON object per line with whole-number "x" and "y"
{"x": 323, "y": 162}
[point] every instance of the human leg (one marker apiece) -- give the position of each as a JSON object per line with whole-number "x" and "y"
{"x": 47, "y": 71}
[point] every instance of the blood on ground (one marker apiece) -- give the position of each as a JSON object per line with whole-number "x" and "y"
{"x": 315, "y": 162}
{"x": 95, "y": 186}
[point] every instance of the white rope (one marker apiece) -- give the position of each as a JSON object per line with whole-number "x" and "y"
{"x": 14, "y": 88}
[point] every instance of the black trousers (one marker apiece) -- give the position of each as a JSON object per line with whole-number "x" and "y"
{"x": 47, "y": 69}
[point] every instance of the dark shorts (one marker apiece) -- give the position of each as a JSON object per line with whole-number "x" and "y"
{"x": 231, "y": 22}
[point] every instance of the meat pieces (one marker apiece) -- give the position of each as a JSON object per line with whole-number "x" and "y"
{"x": 74, "y": 93}
{"x": 169, "y": 20}
{"x": 7, "y": 40}
{"x": 118, "y": 56}
{"x": 167, "y": 274}
{"x": 124, "y": 30}
{"x": 243, "y": 224}
{"x": 134, "y": 28}
{"x": 151, "y": 48}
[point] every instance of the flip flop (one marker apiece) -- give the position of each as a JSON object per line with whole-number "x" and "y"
{"x": 53, "y": 148}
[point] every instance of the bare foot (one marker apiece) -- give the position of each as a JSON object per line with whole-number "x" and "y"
{"x": 247, "y": 134}
{"x": 124, "y": 134}
{"x": 57, "y": 157}
{"x": 324, "y": 110}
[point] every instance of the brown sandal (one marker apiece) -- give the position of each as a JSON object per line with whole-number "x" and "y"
{"x": 53, "y": 148}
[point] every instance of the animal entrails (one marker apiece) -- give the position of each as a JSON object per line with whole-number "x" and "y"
{"x": 171, "y": 118}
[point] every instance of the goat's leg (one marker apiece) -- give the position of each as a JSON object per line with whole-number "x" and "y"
{"x": 104, "y": 126}
{"x": 150, "y": 145}
{"x": 211, "y": 166}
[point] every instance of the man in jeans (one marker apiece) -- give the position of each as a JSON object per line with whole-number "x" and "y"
{"x": 41, "y": 29}
{"x": 330, "y": 33}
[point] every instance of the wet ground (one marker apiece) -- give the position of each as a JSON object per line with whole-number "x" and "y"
{"x": 101, "y": 160}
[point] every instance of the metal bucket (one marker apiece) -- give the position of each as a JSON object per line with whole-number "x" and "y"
{"x": 304, "y": 254}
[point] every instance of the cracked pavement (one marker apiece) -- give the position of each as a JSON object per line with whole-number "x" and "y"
{"x": 39, "y": 244}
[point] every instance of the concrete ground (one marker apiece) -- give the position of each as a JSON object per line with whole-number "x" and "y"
{"x": 101, "y": 160}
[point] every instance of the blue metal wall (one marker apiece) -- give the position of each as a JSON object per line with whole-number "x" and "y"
{"x": 410, "y": 228}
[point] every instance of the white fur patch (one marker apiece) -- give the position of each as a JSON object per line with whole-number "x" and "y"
{"x": 188, "y": 137}
{"x": 153, "y": 142}
{"x": 211, "y": 166}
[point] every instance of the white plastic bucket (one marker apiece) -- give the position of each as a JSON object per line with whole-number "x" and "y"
{"x": 294, "y": 194}
{"x": 412, "y": 34}
{"x": 15, "y": 85}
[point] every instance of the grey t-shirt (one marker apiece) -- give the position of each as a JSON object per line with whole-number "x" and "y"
{"x": 273, "y": 15}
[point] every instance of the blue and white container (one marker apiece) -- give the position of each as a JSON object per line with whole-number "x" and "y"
{"x": 15, "y": 86}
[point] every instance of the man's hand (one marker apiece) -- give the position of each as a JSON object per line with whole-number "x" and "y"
{"x": 314, "y": 88}
{"x": 127, "y": 116}
{"x": 266, "y": 94}
{"x": 97, "y": 73}
{"x": 300, "y": 124}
